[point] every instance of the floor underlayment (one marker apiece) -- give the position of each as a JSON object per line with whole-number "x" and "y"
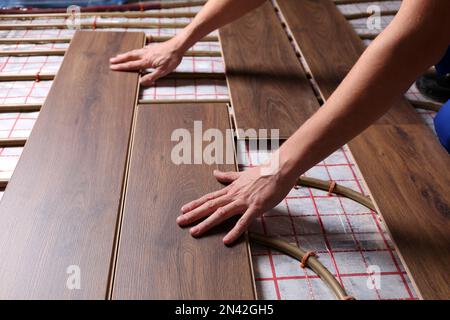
{"x": 349, "y": 239}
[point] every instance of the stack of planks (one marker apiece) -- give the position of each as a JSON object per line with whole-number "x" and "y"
{"x": 96, "y": 188}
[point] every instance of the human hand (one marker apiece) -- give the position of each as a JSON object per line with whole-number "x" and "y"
{"x": 162, "y": 57}
{"x": 249, "y": 193}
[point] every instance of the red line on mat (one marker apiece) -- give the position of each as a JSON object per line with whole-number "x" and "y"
{"x": 308, "y": 281}
{"x": 343, "y": 275}
{"x": 358, "y": 245}
{"x": 384, "y": 239}
{"x": 272, "y": 266}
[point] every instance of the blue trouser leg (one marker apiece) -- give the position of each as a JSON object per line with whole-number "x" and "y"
{"x": 442, "y": 125}
{"x": 442, "y": 119}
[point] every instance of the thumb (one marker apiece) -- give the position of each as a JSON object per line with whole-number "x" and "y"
{"x": 149, "y": 38}
{"x": 225, "y": 177}
{"x": 150, "y": 78}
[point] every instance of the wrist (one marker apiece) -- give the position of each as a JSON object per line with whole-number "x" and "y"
{"x": 178, "y": 45}
{"x": 282, "y": 166}
{"x": 185, "y": 39}
{"x": 289, "y": 163}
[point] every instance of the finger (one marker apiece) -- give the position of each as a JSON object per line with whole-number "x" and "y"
{"x": 204, "y": 210}
{"x": 150, "y": 78}
{"x": 131, "y": 65}
{"x": 219, "y": 216}
{"x": 128, "y": 56}
{"x": 226, "y": 177}
{"x": 196, "y": 203}
{"x": 240, "y": 226}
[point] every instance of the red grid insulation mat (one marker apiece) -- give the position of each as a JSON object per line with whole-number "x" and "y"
{"x": 350, "y": 240}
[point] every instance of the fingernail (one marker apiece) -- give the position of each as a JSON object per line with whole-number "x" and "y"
{"x": 194, "y": 231}
{"x": 180, "y": 219}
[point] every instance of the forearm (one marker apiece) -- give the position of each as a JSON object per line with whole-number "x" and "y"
{"x": 214, "y": 14}
{"x": 382, "y": 74}
{"x": 409, "y": 46}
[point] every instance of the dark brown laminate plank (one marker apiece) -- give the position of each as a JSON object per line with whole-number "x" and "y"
{"x": 157, "y": 259}
{"x": 406, "y": 169}
{"x": 61, "y": 207}
{"x": 268, "y": 87}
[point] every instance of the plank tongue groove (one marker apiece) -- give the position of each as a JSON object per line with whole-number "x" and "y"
{"x": 59, "y": 213}
{"x": 268, "y": 87}
{"x": 406, "y": 169}
{"x": 156, "y": 258}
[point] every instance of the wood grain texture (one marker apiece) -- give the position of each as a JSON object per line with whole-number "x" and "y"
{"x": 406, "y": 169}
{"x": 61, "y": 206}
{"x": 157, "y": 259}
{"x": 268, "y": 87}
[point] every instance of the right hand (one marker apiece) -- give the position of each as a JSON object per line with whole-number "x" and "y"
{"x": 250, "y": 193}
{"x": 162, "y": 57}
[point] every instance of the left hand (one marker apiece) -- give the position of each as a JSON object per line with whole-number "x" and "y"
{"x": 249, "y": 193}
{"x": 163, "y": 57}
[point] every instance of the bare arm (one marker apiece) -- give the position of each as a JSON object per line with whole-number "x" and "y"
{"x": 165, "y": 57}
{"x": 215, "y": 14}
{"x": 415, "y": 40}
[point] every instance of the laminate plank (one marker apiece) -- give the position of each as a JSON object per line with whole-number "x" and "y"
{"x": 404, "y": 166}
{"x": 268, "y": 87}
{"x": 59, "y": 213}
{"x": 157, "y": 259}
